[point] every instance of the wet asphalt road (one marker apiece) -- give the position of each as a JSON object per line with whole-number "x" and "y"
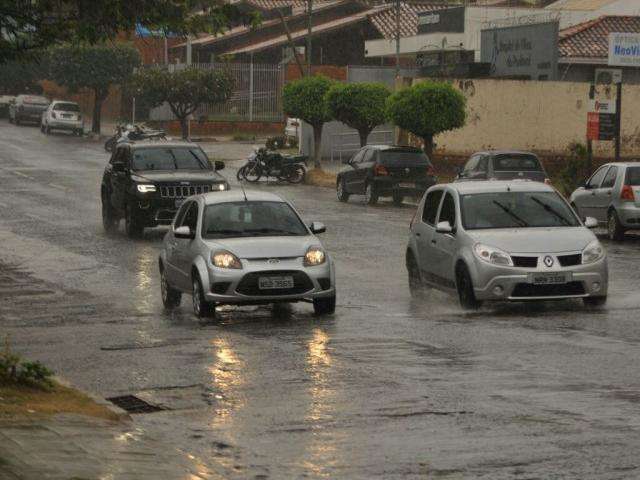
{"x": 387, "y": 388}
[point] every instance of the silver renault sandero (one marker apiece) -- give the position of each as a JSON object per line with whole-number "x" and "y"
{"x": 244, "y": 248}
{"x": 504, "y": 240}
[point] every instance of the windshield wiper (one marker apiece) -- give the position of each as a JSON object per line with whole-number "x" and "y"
{"x": 224, "y": 232}
{"x": 552, "y": 211}
{"x": 271, "y": 230}
{"x": 513, "y": 215}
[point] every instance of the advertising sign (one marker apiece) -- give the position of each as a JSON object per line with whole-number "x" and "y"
{"x": 624, "y": 49}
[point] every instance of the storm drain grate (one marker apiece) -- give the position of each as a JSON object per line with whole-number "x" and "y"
{"x": 134, "y": 404}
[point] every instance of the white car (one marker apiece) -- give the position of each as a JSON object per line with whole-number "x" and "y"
{"x": 62, "y": 115}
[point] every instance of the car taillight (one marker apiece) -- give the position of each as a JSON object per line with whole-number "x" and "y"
{"x": 380, "y": 170}
{"x": 547, "y": 181}
{"x": 626, "y": 194}
{"x": 431, "y": 171}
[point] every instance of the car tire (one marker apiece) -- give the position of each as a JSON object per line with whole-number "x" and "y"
{"x": 341, "y": 191}
{"x": 47, "y": 130}
{"x": 370, "y": 193}
{"x": 17, "y": 121}
{"x": 109, "y": 219}
{"x": 79, "y": 132}
{"x": 416, "y": 286}
{"x": 201, "y": 308}
{"x": 171, "y": 297}
{"x": 324, "y": 306}
{"x": 398, "y": 198}
{"x": 110, "y": 144}
{"x": 615, "y": 230}
{"x": 132, "y": 226}
{"x": 594, "y": 301}
{"x": 42, "y": 127}
{"x": 464, "y": 285}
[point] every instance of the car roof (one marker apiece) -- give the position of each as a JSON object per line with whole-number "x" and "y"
{"x": 622, "y": 164}
{"x": 496, "y": 186}
{"x": 504, "y": 152}
{"x": 155, "y": 142}
{"x": 382, "y": 148}
{"x": 237, "y": 195}
{"x": 64, "y": 101}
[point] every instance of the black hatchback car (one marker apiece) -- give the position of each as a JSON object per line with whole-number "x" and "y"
{"x": 503, "y": 165}
{"x": 146, "y": 182}
{"x": 386, "y": 171}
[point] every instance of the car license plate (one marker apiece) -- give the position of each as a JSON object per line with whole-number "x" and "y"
{"x": 406, "y": 185}
{"x": 275, "y": 283}
{"x": 550, "y": 278}
{"x": 179, "y": 202}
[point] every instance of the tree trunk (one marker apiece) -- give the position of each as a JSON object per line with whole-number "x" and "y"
{"x": 97, "y": 111}
{"x": 184, "y": 126}
{"x": 317, "y": 146}
{"x": 364, "y": 134}
{"x": 428, "y": 145}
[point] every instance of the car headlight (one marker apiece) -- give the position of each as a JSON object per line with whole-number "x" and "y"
{"x": 592, "y": 252}
{"x": 492, "y": 255}
{"x": 314, "y": 256}
{"x": 220, "y": 187}
{"x": 225, "y": 259}
{"x": 146, "y": 188}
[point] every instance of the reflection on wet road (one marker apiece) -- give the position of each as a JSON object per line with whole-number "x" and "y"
{"x": 389, "y": 387}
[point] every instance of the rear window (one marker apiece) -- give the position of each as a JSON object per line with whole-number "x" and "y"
{"x": 633, "y": 177}
{"x": 403, "y": 158}
{"x": 511, "y": 163}
{"x": 66, "y": 107}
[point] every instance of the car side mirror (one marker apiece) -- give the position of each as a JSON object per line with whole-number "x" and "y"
{"x": 119, "y": 167}
{"x": 317, "y": 227}
{"x": 590, "y": 222}
{"x": 219, "y": 165}
{"x": 346, "y": 161}
{"x": 183, "y": 232}
{"x": 444, "y": 227}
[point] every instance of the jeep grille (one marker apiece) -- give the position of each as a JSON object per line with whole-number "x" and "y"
{"x": 183, "y": 191}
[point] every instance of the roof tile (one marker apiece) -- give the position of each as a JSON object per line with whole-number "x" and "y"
{"x": 591, "y": 39}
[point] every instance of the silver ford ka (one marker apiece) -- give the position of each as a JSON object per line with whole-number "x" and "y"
{"x": 244, "y": 249}
{"x": 504, "y": 240}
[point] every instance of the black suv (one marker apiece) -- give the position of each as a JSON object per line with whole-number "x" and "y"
{"x": 146, "y": 182}
{"x": 386, "y": 171}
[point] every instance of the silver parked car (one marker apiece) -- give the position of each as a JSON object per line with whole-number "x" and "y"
{"x": 611, "y": 196}
{"x": 504, "y": 240}
{"x": 244, "y": 249}
{"x": 62, "y": 115}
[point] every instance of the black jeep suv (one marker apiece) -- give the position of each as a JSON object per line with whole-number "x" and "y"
{"x": 386, "y": 171}
{"x": 146, "y": 182}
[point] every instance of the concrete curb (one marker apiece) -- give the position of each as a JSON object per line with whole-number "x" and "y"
{"x": 119, "y": 412}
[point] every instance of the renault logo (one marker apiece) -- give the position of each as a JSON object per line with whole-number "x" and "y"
{"x": 273, "y": 260}
{"x": 548, "y": 261}
{"x": 185, "y": 183}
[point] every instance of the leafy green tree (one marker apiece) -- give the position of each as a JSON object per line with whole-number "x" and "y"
{"x": 22, "y": 77}
{"x": 93, "y": 67}
{"x": 37, "y": 24}
{"x": 360, "y": 106}
{"x": 427, "y": 109}
{"x": 185, "y": 90}
{"x": 305, "y": 99}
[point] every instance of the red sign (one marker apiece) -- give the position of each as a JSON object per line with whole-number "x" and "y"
{"x": 593, "y": 126}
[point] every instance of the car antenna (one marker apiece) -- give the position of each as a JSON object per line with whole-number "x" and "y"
{"x": 244, "y": 193}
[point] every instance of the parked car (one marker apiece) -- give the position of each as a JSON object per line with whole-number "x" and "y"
{"x": 503, "y": 165}
{"x": 5, "y": 102}
{"x": 504, "y": 240}
{"x": 612, "y": 197}
{"x": 62, "y": 115}
{"x": 146, "y": 182}
{"x": 27, "y": 108}
{"x": 244, "y": 248}
{"x": 386, "y": 171}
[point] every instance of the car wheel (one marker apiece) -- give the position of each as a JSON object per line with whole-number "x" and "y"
{"x": 594, "y": 301}
{"x": 109, "y": 219}
{"x": 615, "y": 231}
{"x": 17, "y": 121}
{"x": 110, "y": 144}
{"x": 132, "y": 226}
{"x": 416, "y": 286}
{"x": 170, "y": 296}
{"x": 324, "y": 306}
{"x": 464, "y": 285}
{"x": 201, "y": 308}
{"x": 42, "y": 127}
{"x": 398, "y": 198}
{"x": 79, "y": 132}
{"x": 47, "y": 130}
{"x": 370, "y": 194}
{"x": 341, "y": 191}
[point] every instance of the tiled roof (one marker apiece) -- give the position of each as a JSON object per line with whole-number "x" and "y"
{"x": 580, "y": 4}
{"x": 385, "y": 20}
{"x": 591, "y": 39}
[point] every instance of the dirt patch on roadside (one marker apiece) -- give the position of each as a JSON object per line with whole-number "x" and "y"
{"x": 320, "y": 178}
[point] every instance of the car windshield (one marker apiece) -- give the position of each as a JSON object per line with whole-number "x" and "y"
{"x": 251, "y": 219}
{"x": 510, "y": 163}
{"x": 170, "y": 159}
{"x": 515, "y": 210}
{"x": 66, "y": 107}
{"x": 633, "y": 176}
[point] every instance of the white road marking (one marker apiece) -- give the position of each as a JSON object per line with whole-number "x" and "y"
{"x": 22, "y": 175}
{"x": 60, "y": 187}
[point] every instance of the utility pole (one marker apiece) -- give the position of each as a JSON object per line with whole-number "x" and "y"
{"x": 618, "y": 119}
{"x": 397, "y": 39}
{"x": 592, "y": 95}
{"x": 309, "y": 30}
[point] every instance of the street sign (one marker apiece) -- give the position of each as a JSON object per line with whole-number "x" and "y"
{"x": 603, "y": 106}
{"x": 593, "y": 126}
{"x": 607, "y": 124}
{"x": 624, "y": 49}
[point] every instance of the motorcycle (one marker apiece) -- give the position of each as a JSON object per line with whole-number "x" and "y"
{"x": 263, "y": 163}
{"x": 130, "y": 132}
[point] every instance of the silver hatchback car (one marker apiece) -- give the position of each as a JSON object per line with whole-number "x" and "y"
{"x": 244, "y": 249}
{"x": 504, "y": 240}
{"x": 611, "y": 196}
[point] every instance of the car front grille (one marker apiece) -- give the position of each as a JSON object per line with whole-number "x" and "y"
{"x": 182, "y": 191}
{"x": 526, "y": 262}
{"x": 570, "y": 260}
{"x": 524, "y": 290}
{"x": 249, "y": 283}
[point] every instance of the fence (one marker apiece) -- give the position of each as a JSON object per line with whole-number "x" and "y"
{"x": 257, "y": 94}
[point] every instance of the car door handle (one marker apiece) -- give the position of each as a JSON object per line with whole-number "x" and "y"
{"x": 417, "y": 234}
{"x": 434, "y": 242}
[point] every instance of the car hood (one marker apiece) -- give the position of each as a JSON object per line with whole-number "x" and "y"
{"x": 535, "y": 240}
{"x": 178, "y": 176}
{"x": 266, "y": 247}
